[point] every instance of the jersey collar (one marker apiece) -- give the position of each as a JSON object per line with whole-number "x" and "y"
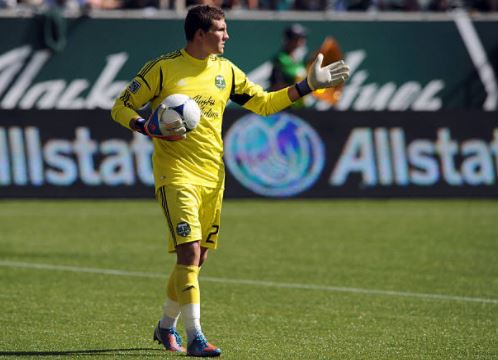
{"x": 194, "y": 61}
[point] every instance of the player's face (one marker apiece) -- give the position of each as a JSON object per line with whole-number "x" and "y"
{"x": 216, "y": 37}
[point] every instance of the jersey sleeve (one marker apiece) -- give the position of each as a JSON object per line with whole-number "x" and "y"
{"x": 144, "y": 87}
{"x": 253, "y": 97}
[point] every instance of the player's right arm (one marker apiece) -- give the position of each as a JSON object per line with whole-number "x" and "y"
{"x": 144, "y": 87}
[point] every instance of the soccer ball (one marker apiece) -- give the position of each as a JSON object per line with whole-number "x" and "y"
{"x": 180, "y": 107}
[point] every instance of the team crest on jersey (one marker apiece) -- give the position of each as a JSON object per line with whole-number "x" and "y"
{"x": 183, "y": 229}
{"x": 134, "y": 86}
{"x": 219, "y": 81}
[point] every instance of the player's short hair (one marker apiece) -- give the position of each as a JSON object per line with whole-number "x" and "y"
{"x": 201, "y": 17}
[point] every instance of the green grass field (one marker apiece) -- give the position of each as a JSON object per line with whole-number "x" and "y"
{"x": 291, "y": 280}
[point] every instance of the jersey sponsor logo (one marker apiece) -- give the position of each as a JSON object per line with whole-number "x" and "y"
{"x": 219, "y": 81}
{"x": 183, "y": 229}
{"x": 207, "y": 106}
{"x": 134, "y": 86}
{"x": 278, "y": 156}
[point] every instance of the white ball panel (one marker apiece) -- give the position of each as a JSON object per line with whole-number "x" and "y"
{"x": 191, "y": 114}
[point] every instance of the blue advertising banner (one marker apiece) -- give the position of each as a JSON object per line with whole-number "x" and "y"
{"x": 371, "y": 154}
{"x": 310, "y": 154}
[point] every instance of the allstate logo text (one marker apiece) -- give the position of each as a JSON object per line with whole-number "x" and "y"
{"x": 279, "y": 155}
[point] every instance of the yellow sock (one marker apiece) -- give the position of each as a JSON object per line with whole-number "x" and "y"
{"x": 187, "y": 284}
{"x": 171, "y": 308}
{"x": 189, "y": 298}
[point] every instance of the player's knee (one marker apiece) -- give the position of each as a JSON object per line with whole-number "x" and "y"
{"x": 189, "y": 253}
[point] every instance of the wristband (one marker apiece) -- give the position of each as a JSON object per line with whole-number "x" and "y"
{"x": 140, "y": 126}
{"x": 303, "y": 88}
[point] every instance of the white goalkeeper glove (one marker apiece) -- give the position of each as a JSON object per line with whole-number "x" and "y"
{"x": 323, "y": 77}
{"x": 172, "y": 131}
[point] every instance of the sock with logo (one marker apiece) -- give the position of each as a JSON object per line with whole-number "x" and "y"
{"x": 189, "y": 298}
{"x": 171, "y": 307}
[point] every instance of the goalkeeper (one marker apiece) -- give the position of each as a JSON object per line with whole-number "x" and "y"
{"x": 189, "y": 172}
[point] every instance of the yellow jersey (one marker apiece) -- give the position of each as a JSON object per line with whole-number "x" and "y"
{"x": 211, "y": 82}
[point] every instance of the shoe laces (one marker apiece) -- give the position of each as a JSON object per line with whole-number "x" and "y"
{"x": 176, "y": 335}
{"x": 201, "y": 339}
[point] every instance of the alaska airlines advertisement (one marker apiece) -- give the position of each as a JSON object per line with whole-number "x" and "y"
{"x": 447, "y": 63}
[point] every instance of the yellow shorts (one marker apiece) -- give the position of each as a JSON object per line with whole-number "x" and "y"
{"x": 192, "y": 212}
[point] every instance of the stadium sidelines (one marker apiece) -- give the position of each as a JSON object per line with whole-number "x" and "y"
{"x": 114, "y": 272}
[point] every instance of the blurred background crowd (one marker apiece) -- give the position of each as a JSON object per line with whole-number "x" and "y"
{"x": 273, "y": 5}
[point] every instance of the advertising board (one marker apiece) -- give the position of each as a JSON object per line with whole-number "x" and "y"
{"x": 306, "y": 153}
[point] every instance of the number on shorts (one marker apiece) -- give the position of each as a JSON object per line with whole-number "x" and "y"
{"x": 212, "y": 233}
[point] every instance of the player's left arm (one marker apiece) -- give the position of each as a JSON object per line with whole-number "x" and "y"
{"x": 253, "y": 97}
{"x": 319, "y": 77}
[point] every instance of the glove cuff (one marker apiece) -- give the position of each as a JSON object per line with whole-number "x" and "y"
{"x": 303, "y": 88}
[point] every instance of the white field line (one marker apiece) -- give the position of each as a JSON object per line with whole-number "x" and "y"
{"x": 114, "y": 272}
